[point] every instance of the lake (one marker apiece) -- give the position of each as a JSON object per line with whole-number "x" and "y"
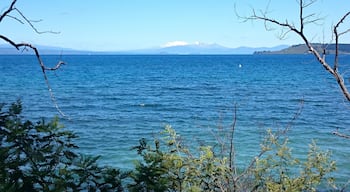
{"x": 113, "y": 101}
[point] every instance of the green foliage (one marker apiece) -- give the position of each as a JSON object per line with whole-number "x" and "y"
{"x": 40, "y": 157}
{"x": 173, "y": 168}
{"x": 86, "y": 175}
{"x": 279, "y": 171}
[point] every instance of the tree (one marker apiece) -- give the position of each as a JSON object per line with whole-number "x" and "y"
{"x": 304, "y": 20}
{"x": 13, "y": 13}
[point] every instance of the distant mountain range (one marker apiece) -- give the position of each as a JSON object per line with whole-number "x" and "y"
{"x": 6, "y": 49}
{"x": 302, "y": 49}
{"x": 188, "y": 49}
{"x": 198, "y": 48}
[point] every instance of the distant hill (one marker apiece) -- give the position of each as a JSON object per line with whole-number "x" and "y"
{"x": 302, "y": 49}
{"x": 6, "y": 49}
{"x": 189, "y": 49}
{"x": 202, "y": 48}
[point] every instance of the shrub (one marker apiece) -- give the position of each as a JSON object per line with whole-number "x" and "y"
{"x": 170, "y": 166}
{"x": 173, "y": 168}
{"x": 278, "y": 170}
{"x": 41, "y": 157}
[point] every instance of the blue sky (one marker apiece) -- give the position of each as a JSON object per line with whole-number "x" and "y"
{"x": 107, "y": 25}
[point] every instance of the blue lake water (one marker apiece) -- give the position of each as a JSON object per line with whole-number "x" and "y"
{"x": 113, "y": 101}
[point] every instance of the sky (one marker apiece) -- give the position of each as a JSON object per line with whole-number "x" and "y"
{"x": 114, "y": 25}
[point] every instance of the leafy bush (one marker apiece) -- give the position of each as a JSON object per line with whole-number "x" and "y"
{"x": 278, "y": 170}
{"x": 41, "y": 157}
{"x": 173, "y": 167}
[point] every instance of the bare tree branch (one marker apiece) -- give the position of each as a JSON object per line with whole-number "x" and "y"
{"x": 337, "y": 35}
{"x": 42, "y": 65}
{"x": 307, "y": 3}
{"x": 304, "y": 20}
{"x": 30, "y": 23}
{"x": 9, "y": 41}
{"x": 44, "y": 68}
{"x": 15, "y": 18}
{"x": 232, "y": 147}
{"x": 2, "y": 16}
{"x": 337, "y": 133}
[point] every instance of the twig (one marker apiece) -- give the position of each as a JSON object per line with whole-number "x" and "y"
{"x": 337, "y": 133}
{"x": 337, "y": 35}
{"x": 295, "y": 117}
{"x": 44, "y": 69}
{"x": 232, "y": 149}
{"x": 42, "y": 65}
{"x": 30, "y": 23}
